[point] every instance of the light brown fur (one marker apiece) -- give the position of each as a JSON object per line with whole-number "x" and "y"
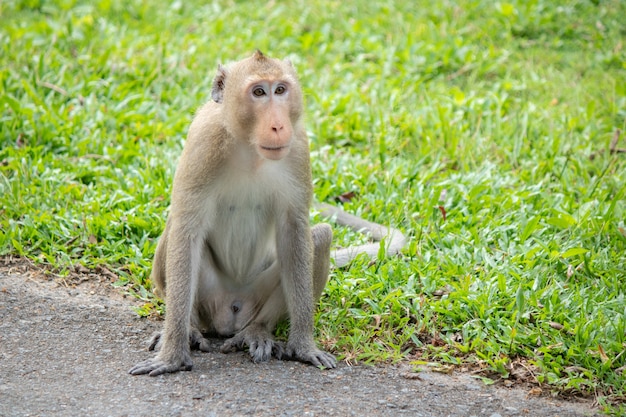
{"x": 239, "y": 223}
{"x": 237, "y": 254}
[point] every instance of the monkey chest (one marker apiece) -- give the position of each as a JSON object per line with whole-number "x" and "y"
{"x": 243, "y": 214}
{"x": 242, "y": 241}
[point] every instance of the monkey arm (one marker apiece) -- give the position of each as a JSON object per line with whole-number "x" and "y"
{"x": 158, "y": 266}
{"x": 183, "y": 253}
{"x": 295, "y": 251}
{"x": 295, "y": 254}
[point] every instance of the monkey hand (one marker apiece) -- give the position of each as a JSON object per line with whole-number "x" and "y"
{"x": 260, "y": 343}
{"x": 308, "y": 352}
{"x": 157, "y": 365}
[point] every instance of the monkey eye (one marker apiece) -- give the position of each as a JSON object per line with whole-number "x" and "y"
{"x": 236, "y": 307}
{"x": 280, "y": 90}
{"x": 258, "y": 92}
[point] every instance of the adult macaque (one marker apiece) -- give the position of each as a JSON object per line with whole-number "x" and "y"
{"x": 238, "y": 254}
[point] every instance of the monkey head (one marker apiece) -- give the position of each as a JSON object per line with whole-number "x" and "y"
{"x": 262, "y": 103}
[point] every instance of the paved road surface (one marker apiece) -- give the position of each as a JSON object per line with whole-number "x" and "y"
{"x": 66, "y": 352}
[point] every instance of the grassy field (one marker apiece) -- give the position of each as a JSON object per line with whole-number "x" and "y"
{"x": 487, "y": 131}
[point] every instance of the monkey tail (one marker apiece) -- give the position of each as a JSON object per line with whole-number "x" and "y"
{"x": 394, "y": 239}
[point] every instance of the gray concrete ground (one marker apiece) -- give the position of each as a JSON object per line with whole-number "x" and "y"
{"x": 66, "y": 352}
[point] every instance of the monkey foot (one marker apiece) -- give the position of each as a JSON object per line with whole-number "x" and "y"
{"x": 196, "y": 341}
{"x": 156, "y": 366}
{"x": 311, "y": 354}
{"x": 259, "y": 342}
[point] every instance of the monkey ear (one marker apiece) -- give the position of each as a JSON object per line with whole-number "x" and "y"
{"x": 258, "y": 54}
{"x": 288, "y": 62}
{"x": 217, "y": 92}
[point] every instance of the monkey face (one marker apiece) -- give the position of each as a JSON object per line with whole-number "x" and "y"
{"x": 273, "y": 130}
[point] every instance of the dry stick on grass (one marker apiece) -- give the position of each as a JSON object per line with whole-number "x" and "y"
{"x": 613, "y": 149}
{"x": 53, "y": 87}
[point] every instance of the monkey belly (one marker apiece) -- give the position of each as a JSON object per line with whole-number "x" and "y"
{"x": 242, "y": 244}
{"x": 239, "y": 270}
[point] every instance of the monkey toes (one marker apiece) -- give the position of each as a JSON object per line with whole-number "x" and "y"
{"x": 156, "y": 366}
{"x": 196, "y": 341}
{"x": 311, "y": 354}
{"x": 259, "y": 342}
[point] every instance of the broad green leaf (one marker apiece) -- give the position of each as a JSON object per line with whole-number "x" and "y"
{"x": 573, "y": 252}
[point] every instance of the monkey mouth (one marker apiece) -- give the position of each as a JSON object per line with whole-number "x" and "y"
{"x": 273, "y": 148}
{"x": 274, "y": 153}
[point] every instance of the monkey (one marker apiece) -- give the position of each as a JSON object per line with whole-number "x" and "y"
{"x": 238, "y": 254}
{"x": 239, "y": 221}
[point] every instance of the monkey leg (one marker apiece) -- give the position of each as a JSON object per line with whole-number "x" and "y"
{"x": 300, "y": 346}
{"x": 196, "y": 341}
{"x": 322, "y": 239}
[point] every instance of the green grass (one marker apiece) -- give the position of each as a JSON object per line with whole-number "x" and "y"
{"x": 500, "y": 115}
